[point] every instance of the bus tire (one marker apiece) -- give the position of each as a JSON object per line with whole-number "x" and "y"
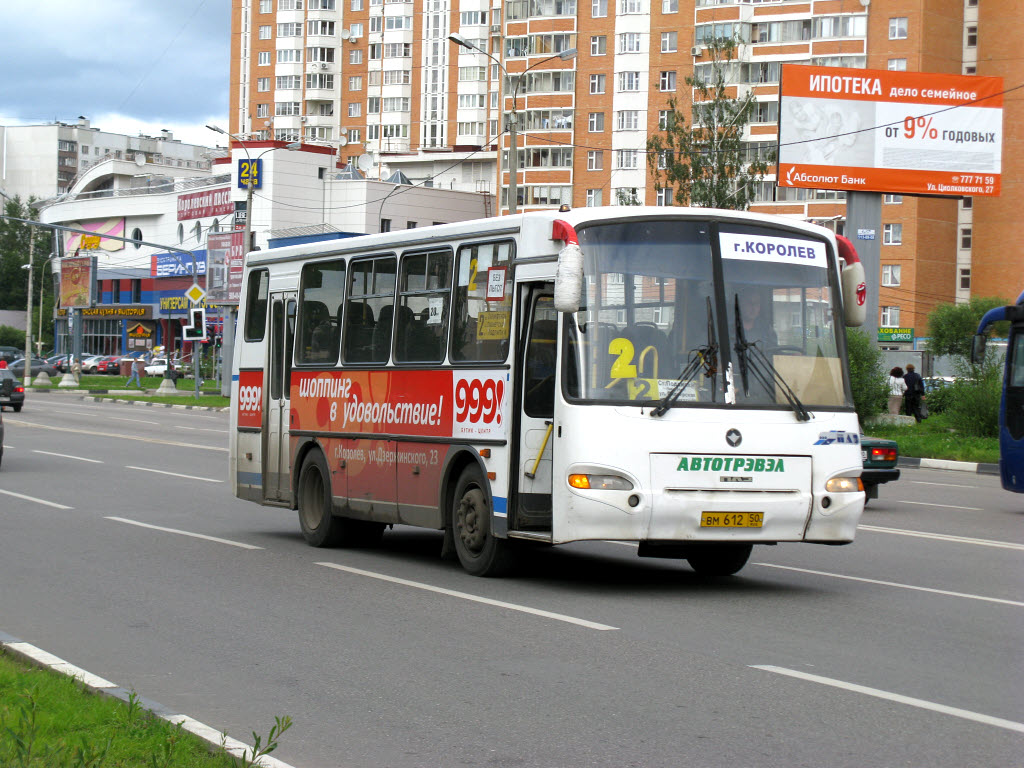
{"x": 320, "y": 528}
{"x": 719, "y": 559}
{"x": 480, "y": 553}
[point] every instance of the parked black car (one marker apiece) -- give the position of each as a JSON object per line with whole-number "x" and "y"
{"x": 879, "y": 457}
{"x": 12, "y": 391}
{"x": 1, "y": 435}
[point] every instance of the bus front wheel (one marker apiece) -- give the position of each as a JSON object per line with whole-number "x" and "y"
{"x": 320, "y": 528}
{"x": 479, "y": 551}
{"x": 719, "y": 559}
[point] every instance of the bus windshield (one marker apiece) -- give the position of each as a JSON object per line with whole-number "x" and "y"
{"x": 660, "y": 323}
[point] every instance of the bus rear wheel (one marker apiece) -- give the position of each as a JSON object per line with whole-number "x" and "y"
{"x": 320, "y": 528}
{"x": 479, "y": 551}
{"x": 719, "y": 559}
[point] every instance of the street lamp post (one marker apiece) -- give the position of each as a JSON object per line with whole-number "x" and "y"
{"x": 42, "y": 284}
{"x": 228, "y": 332}
{"x": 513, "y": 119}
{"x": 28, "y": 314}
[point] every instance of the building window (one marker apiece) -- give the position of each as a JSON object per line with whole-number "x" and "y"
{"x": 627, "y": 158}
{"x": 356, "y": 56}
{"x": 356, "y": 5}
{"x": 890, "y": 317}
{"x": 892, "y": 234}
{"x": 897, "y": 65}
{"x": 891, "y": 199}
{"x": 263, "y": 58}
{"x": 627, "y": 196}
{"x": 355, "y": 83}
{"x": 355, "y": 30}
{"x": 670, "y": 6}
{"x": 972, "y": 36}
{"x": 627, "y": 120}
{"x": 266, "y": 6}
{"x": 598, "y": 8}
{"x": 262, "y": 110}
{"x": 598, "y": 45}
{"x": 262, "y": 84}
{"x": 664, "y": 197}
{"x": 629, "y": 42}
{"x": 965, "y": 279}
{"x": 355, "y": 109}
{"x": 667, "y": 81}
{"x": 664, "y": 116}
{"x": 595, "y": 160}
{"x": 965, "y": 238}
{"x": 597, "y": 84}
{"x": 970, "y": 69}
{"x": 629, "y": 81}
{"x": 594, "y": 197}
{"x": 353, "y": 136}
{"x": 385, "y": 225}
{"x": 266, "y": 32}
{"x": 595, "y": 123}
{"x": 890, "y": 275}
{"x": 289, "y": 56}
{"x": 137, "y": 237}
{"x": 898, "y": 28}
{"x": 967, "y": 203}
{"x": 631, "y": 6}
{"x": 669, "y": 42}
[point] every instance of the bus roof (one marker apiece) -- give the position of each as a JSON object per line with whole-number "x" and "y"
{"x": 535, "y": 224}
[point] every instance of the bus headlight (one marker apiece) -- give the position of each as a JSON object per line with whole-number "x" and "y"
{"x": 844, "y": 485}
{"x": 600, "y": 482}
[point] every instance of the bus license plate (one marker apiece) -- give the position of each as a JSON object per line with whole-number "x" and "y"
{"x": 731, "y": 519}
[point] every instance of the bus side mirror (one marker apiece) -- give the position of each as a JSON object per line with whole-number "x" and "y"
{"x": 569, "y": 279}
{"x": 854, "y": 294}
{"x": 978, "y": 349}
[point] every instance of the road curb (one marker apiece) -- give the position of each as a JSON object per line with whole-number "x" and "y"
{"x": 956, "y": 466}
{"x": 217, "y": 740}
{"x": 90, "y": 394}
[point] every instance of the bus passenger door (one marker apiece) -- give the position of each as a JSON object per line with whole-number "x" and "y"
{"x": 276, "y": 412}
{"x": 536, "y": 413}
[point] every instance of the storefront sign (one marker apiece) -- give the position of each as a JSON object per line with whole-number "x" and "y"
{"x": 210, "y": 202}
{"x": 179, "y": 264}
{"x": 896, "y": 334}
{"x": 114, "y": 311}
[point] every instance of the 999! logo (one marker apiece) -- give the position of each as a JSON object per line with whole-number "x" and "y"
{"x": 479, "y": 401}
{"x": 250, "y": 398}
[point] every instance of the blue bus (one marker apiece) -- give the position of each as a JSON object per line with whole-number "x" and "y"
{"x": 1011, "y": 408}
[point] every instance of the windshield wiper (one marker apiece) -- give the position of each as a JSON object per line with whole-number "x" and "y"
{"x": 754, "y": 360}
{"x": 705, "y": 357}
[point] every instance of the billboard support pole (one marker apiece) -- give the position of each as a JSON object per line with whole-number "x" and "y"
{"x": 864, "y": 228}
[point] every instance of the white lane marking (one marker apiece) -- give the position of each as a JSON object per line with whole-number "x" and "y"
{"x": 896, "y": 584}
{"x": 240, "y": 544}
{"x": 467, "y": 596}
{"x": 176, "y": 474}
{"x": 944, "y": 485}
{"x": 203, "y": 429}
{"x": 899, "y": 698}
{"x": 66, "y": 456}
{"x": 34, "y": 499}
{"x": 94, "y": 433}
{"x": 944, "y": 506}
{"x": 137, "y": 421}
{"x": 942, "y": 537}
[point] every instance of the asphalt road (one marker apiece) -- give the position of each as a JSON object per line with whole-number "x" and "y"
{"x": 123, "y": 552}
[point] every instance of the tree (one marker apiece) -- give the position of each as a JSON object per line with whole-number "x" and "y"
{"x": 706, "y": 162}
{"x": 14, "y": 238}
{"x": 867, "y": 377}
{"x": 952, "y": 326}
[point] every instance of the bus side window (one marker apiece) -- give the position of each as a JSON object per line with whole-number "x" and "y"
{"x": 481, "y": 325}
{"x": 256, "y": 305}
{"x": 359, "y": 333}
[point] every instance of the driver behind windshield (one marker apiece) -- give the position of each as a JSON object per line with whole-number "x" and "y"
{"x": 757, "y": 323}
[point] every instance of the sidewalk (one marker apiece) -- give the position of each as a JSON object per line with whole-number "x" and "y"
{"x": 958, "y": 466}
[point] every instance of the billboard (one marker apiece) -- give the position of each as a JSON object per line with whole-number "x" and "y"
{"x": 225, "y": 256}
{"x": 78, "y": 281}
{"x": 74, "y": 240}
{"x": 880, "y": 131}
{"x": 210, "y": 202}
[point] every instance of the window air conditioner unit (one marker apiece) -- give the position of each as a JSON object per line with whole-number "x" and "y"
{"x": 323, "y": 66}
{"x": 302, "y": 119}
{"x": 495, "y": 28}
{"x": 697, "y": 50}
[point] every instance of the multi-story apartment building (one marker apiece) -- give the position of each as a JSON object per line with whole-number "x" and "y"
{"x": 382, "y": 79}
{"x": 45, "y": 160}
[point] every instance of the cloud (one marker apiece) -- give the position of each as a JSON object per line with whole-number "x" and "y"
{"x": 161, "y": 62}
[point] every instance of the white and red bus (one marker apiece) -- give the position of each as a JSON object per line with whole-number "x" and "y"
{"x": 672, "y": 377}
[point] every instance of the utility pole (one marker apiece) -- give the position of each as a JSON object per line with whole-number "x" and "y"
{"x": 28, "y": 316}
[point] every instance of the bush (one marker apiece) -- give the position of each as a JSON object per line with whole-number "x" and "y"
{"x": 939, "y": 399}
{"x": 973, "y": 406}
{"x": 870, "y": 383}
{"x": 11, "y": 337}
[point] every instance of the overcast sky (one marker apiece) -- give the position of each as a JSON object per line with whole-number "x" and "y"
{"x": 130, "y": 66}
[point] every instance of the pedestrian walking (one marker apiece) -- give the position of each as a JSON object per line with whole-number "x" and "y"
{"x": 897, "y": 388}
{"x": 915, "y": 392}
{"x": 136, "y": 369}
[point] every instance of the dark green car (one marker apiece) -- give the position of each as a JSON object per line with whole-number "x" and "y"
{"x": 880, "y": 457}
